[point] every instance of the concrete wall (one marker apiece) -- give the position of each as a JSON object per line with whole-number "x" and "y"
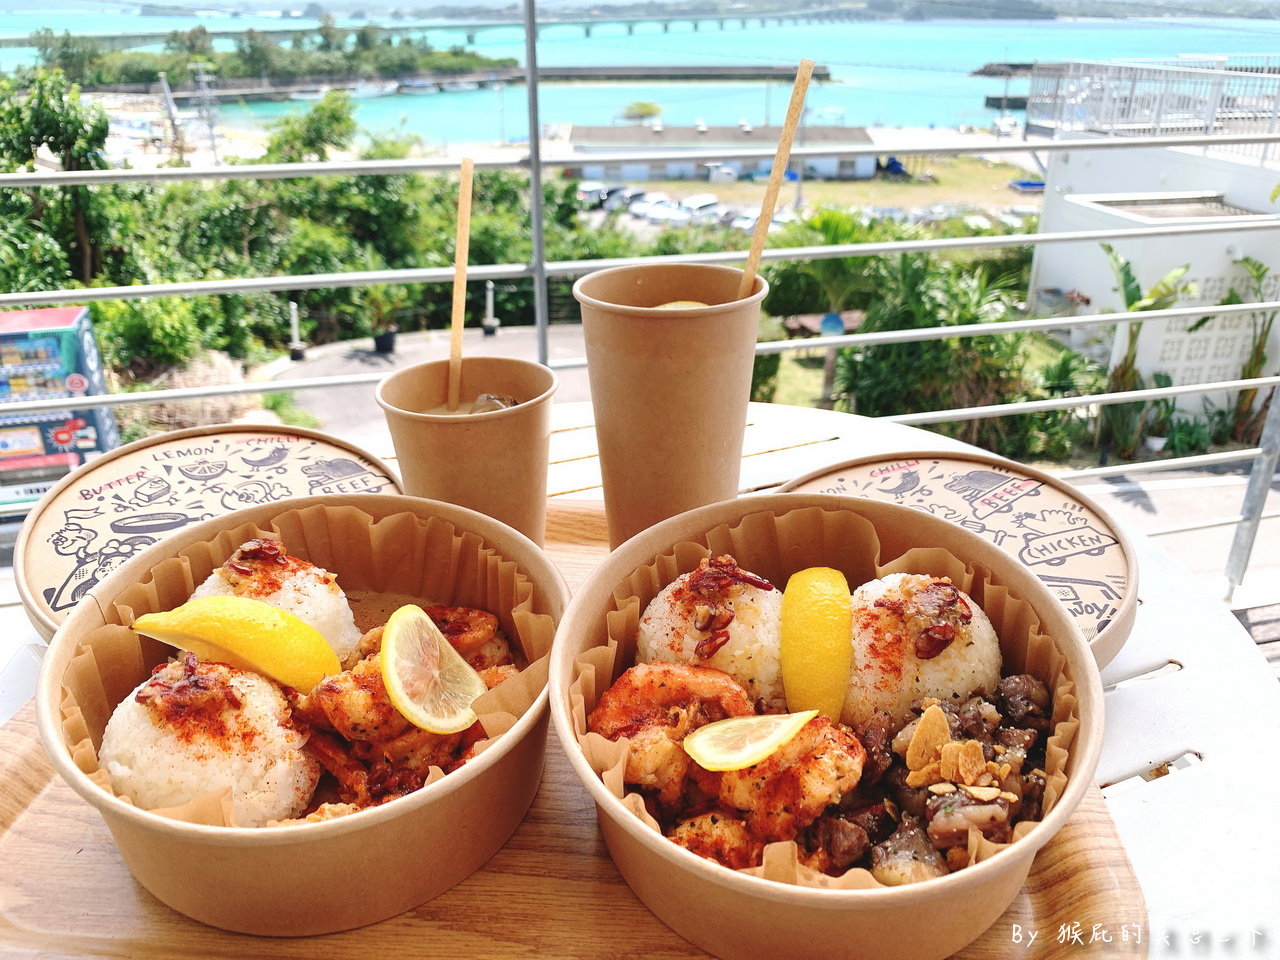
{"x": 1217, "y": 350}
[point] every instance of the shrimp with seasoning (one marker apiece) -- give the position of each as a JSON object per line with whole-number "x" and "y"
{"x": 655, "y": 706}
{"x": 721, "y": 837}
{"x": 789, "y": 789}
{"x": 386, "y": 756}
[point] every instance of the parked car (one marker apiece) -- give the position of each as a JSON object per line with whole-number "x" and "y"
{"x": 608, "y": 193}
{"x": 640, "y": 208}
{"x": 662, "y": 211}
{"x": 624, "y": 197}
{"x": 700, "y": 208}
{"x": 590, "y": 193}
{"x": 746, "y": 220}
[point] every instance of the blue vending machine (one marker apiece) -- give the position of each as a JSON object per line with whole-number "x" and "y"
{"x": 45, "y": 354}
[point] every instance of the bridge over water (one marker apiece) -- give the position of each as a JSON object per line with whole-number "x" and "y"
{"x": 144, "y": 38}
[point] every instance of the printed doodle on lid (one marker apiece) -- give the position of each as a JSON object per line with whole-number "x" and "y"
{"x": 1046, "y": 526}
{"x": 123, "y": 504}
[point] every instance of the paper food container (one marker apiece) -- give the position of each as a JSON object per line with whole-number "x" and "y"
{"x": 115, "y": 506}
{"x": 1070, "y": 542}
{"x": 349, "y": 871}
{"x": 779, "y": 910}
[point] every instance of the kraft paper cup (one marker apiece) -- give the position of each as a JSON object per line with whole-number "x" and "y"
{"x": 669, "y": 386}
{"x": 493, "y": 462}
{"x": 782, "y": 910}
{"x": 314, "y": 878}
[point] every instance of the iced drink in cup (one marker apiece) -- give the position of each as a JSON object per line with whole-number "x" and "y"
{"x": 670, "y": 350}
{"x": 491, "y": 453}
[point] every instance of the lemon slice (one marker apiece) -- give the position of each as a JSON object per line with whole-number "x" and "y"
{"x": 427, "y": 680}
{"x": 681, "y": 303}
{"x": 742, "y": 741}
{"x": 816, "y": 649}
{"x": 249, "y": 634}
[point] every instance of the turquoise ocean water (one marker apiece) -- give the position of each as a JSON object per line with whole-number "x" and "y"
{"x": 887, "y": 73}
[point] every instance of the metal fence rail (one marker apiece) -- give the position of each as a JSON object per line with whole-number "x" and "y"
{"x": 1128, "y": 98}
{"x": 1238, "y": 105}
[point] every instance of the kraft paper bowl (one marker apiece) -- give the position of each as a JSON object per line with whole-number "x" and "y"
{"x": 350, "y": 871}
{"x": 732, "y": 914}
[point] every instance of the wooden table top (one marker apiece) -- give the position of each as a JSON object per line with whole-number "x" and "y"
{"x": 552, "y": 891}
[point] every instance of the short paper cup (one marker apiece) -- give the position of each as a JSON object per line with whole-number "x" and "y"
{"x": 783, "y": 910}
{"x": 337, "y": 874}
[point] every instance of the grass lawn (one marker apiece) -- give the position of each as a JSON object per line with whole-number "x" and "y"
{"x": 970, "y": 180}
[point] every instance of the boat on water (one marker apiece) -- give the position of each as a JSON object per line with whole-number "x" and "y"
{"x": 419, "y": 88}
{"x": 374, "y": 88}
{"x": 309, "y": 94}
{"x": 460, "y": 85}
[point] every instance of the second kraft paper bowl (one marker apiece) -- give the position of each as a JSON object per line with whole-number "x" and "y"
{"x": 783, "y": 913}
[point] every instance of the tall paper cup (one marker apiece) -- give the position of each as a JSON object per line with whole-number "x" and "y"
{"x": 496, "y": 462}
{"x": 669, "y": 386}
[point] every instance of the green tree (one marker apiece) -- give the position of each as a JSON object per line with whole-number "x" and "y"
{"x": 914, "y": 290}
{"x": 846, "y": 282}
{"x": 330, "y": 123}
{"x": 195, "y": 42}
{"x": 638, "y": 111}
{"x": 257, "y": 52}
{"x": 329, "y": 37}
{"x": 74, "y": 56}
{"x": 51, "y": 115}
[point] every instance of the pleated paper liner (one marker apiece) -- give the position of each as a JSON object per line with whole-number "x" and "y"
{"x": 397, "y": 552}
{"x": 849, "y": 543}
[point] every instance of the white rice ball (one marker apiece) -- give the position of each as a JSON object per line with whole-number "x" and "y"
{"x": 194, "y": 727}
{"x": 750, "y": 654}
{"x": 309, "y": 592}
{"x": 896, "y": 616}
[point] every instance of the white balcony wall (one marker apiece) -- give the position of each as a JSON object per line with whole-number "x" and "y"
{"x": 1214, "y": 352}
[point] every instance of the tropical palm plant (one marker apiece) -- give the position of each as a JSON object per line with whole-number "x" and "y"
{"x": 1120, "y": 425}
{"x": 846, "y": 282}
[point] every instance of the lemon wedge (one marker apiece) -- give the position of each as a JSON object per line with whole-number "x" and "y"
{"x": 426, "y": 678}
{"x": 681, "y": 303}
{"x": 742, "y": 741}
{"x": 816, "y": 649}
{"x": 249, "y": 634}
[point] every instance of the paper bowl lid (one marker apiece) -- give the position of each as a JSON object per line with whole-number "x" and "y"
{"x": 102, "y": 514}
{"x": 1079, "y": 552}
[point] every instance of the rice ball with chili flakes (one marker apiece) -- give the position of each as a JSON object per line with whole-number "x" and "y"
{"x": 917, "y": 636}
{"x": 721, "y": 616}
{"x": 195, "y": 727}
{"x": 262, "y": 570}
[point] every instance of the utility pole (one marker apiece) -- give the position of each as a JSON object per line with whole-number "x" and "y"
{"x": 206, "y": 104}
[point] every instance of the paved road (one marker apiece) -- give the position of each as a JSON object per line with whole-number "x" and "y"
{"x": 352, "y": 412}
{"x": 1145, "y": 504}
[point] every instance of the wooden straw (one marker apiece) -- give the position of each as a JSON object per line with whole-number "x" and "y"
{"x": 803, "y": 73}
{"x": 461, "y": 250}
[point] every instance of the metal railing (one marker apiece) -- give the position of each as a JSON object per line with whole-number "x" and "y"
{"x": 1128, "y": 98}
{"x": 1264, "y": 456}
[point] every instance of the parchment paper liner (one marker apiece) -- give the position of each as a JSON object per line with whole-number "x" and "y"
{"x": 775, "y": 546}
{"x": 379, "y": 564}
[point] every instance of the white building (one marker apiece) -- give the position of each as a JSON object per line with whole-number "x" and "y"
{"x": 634, "y": 138}
{"x": 1116, "y": 189}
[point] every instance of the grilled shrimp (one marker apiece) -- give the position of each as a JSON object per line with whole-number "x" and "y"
{"x": 656, "y": 705}
{"x": 720, "y": 837}
{"x": 786, "y": 791}
{"x": 354, "y": 703}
